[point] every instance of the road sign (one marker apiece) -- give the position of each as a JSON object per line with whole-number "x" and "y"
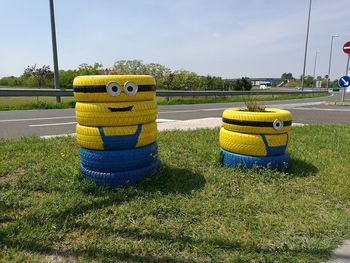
{"x": 318, "y": 84}
{"x": 344, "y": 82}
{"x": 346, "y": 48}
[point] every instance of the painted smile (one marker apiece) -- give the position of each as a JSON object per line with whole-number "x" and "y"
{"x": 120, "y": 109}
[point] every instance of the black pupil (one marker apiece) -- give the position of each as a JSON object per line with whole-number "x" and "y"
{"x": 115, "y": 88}
{"x": 130, "y": 89}
{"x": 278, "y": 124}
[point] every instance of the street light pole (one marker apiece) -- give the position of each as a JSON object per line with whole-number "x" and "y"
{"x": 307, "y": 40}
{"x": 315, "y": 68}
{"x": 346, "y": 74}
{"x": 54, "y": 49}
{"x": 330, "y": 61}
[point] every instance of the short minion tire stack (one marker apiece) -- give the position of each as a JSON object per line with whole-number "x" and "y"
{"x": 116, "y": 128}
{"x": 249, "y": 139}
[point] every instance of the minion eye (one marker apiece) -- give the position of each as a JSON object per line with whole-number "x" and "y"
{"x": 130, "y": 88}
{"x": 278, "y": 124}
{"x": 113, "y": 89}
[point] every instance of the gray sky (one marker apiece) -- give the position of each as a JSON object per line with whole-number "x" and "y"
{"x": 228, "y": 38}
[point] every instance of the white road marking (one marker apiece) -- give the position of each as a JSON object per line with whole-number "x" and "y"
{"x": 295, "y": 105}
{"x": 57, "y": 135}
{"x": 52, "y": 124}
{"x": 38, "y": 119}
{"x": 164, "y": 120}
{"x": 298, "y": 124}
{"x": 322, "y": 109}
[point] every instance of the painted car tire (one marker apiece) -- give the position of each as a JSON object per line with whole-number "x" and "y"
{"x": 118, "y": 161}
{"x": 272, "y": 121}
{"x": 229, "y": 159}
{"x": 116, "y": 138}
{"x": 253, "y": 144}
{"x": 120, "y": 179}
{"x": 93, "y": 88}
{"x": 116, "y": 114}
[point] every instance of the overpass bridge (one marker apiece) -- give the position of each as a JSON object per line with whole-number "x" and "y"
{"x": 267, "y": 81}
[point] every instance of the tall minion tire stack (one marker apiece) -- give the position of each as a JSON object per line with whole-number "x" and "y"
{"x": 116, "y": 128}
{"x": 249, "y": 139}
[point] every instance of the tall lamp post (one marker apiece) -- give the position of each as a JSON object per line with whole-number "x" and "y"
{"x": 307, "y": 40}
{"x": 330, "y": 61}
{"x": 54, "y": 49}
{"x": 315, "y": 67}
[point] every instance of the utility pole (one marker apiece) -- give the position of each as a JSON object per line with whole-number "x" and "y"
{"x": 307, "y": 40}
{"x": 330, "y": 61}
{"x": 315, "y": 68}
{"x": 346, "y": 74}
{"x": 54, "y": 49}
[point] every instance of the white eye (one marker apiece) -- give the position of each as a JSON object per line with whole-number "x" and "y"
{"x": 113, "y": 89}
{"x": 278, "y": 124}
{"x": 130, "y": 88}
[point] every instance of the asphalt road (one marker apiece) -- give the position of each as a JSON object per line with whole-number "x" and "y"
{"x": 15, "y": 124}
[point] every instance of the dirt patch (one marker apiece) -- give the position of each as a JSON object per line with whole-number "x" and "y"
{"x": 12, "y": 177}
{"x": 55, "y": 255}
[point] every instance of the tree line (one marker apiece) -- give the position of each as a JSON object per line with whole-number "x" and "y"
{"x": 309, "y": 81}
{"x": 166, "y": 78}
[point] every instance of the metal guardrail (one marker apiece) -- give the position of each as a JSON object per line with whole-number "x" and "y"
{"x": 14, "y": 92}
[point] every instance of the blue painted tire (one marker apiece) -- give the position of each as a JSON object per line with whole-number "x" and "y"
{"x": 118, "y": 161}
{"x": 127, "y": 178}
{"x": 230, "y": 159}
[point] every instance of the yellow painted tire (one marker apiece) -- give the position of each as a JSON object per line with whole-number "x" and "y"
{"x": 273, "y": 121}
{"x": 90, "y": 137}
{"x": 253, "y": 144}
{"x": 116, "y": 114}
{"x": 94, "y": 88}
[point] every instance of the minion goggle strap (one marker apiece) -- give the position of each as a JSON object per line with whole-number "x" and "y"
{"x": 277, "y": 124}
{"x": 103, "y": 88}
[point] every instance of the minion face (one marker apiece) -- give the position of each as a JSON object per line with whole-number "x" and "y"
{"x": 110, "y": 114}
{"x": 114, "y": 88}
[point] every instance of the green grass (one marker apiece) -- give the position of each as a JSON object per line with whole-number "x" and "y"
{"x": 203, "y": 100}
{"x": 194, "y": 211}
{"x": 28, "y": 103}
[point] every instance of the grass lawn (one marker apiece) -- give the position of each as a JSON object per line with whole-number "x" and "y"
{"x": 194, "y": 211}
{"x": 27, "y": 103}
{"x": 200, "y": 100}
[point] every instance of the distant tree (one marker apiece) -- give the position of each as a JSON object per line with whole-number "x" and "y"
{"x": 218, "y": 83}
{"x": 246, "y": 83}
{"x": 209, "y": 82}
{"x": 242, "y": 84}
{"x": 186, "y": 80}
{"x": 86, "y": 69}
{"x": 288, "y": 76}
{"x": 157, "y": 70}
{"x": 130, "y": 67}
{"x": 67, "y": 77}
{"x": 229, "y": 84}
{"x": 308, "y": 81}
{"x": 169, "y": 80}
{"x": 41, "y": 75}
